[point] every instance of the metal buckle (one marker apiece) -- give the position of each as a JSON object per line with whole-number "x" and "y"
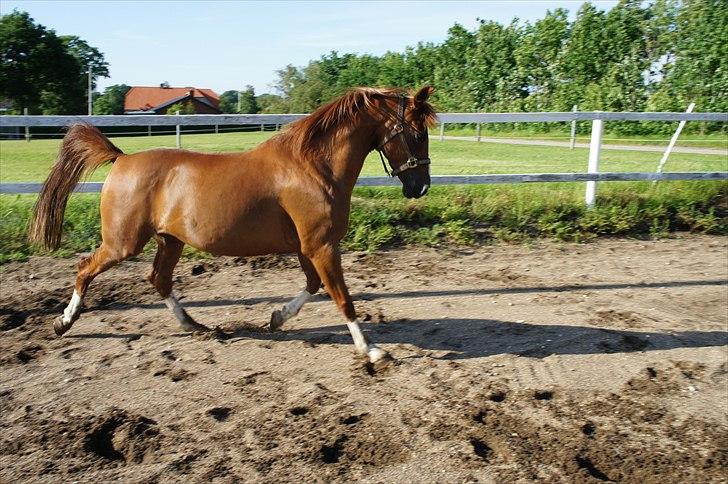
{"x": 413, "y": 162}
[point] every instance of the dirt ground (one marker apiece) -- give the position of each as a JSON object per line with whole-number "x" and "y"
{"x": 550, "y": 362}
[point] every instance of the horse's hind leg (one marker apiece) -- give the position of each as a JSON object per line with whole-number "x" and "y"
{"x": 102, "y": 259}
{"x": 290, "y": 309}
{"x": 169, "y": 250}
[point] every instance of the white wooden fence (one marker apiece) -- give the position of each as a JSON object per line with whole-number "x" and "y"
{"x": 591, "y": 177}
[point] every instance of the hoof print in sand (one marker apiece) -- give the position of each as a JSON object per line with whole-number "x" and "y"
{"x": 298, "y": 411}
{"x": 175, "y": 374}
{"x": 120, "y": 436}
{"x": 353, "y": 419}
{"x": 220, "y": 413}
{"x": 543, "y": 395}
{"x": 481, "y": 449}
{"x": 29, "y": 353}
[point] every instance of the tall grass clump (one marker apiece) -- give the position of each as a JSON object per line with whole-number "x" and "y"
{"x": 381, "y": 217}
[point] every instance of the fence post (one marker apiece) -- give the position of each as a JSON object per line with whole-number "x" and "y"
{"x": 217, "y": 128}
{"x": 573, "y": 131}
{"x": 477, "y": 132}
{"x": 27, "y": 128}
{"x": 673, "y": 140}
{"x": 593, "y": 167}
{"x": 149, "y": 130}
{"x": 442, "y": 131}
{"x": 262, "y": 127}
{"x": 178, "y": 133}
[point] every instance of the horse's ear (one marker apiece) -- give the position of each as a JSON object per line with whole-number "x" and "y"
{"x": 422, "y": 95}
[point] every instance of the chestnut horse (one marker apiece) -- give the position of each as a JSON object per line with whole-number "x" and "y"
{"x": 292, "y": 193}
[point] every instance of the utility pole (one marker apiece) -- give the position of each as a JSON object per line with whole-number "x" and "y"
{"x": 90, "y": 93}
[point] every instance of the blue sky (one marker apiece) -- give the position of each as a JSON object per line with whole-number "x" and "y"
{"x": 227, "y": 44}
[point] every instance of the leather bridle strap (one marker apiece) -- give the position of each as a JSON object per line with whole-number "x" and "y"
{"x": 412, "y": 161}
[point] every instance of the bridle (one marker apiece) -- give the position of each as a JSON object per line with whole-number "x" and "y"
{"x": 412, "y": 161}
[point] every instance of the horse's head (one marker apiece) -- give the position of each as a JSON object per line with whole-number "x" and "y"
{"x": 404, "y": 140}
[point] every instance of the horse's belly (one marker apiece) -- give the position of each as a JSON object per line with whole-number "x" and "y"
{"x": 256, "y": 240}
{"x": 254, "y": 230}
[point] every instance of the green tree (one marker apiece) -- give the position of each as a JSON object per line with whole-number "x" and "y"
{"x": 248, "y": 103}
{"x": 289, "y": 78}
{"x": 638, "y": 55}
{"x": 360, "y": 71}
{"x": 312, "y": 89}
{"x": 87, "y": 56}
{"x": 393, "y": 70}
{"x": 699, "y": 72}
{"x": 229, "y": 102}
{"x": 537, "y": 56}
{"x": 492, "y": 77}
{"x": 452, "y": 77}
{"x": 36, "y": 69}
{"x": 112, "y": 100}
{"x": 422, "y": 61}
{"x": 272, "y": 103}
{"x": 581, "y": 62}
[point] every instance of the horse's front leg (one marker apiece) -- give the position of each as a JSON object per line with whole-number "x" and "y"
{"x": 292, "y": 307}
{"x": 327, "y": 261}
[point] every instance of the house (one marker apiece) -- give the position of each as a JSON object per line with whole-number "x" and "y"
{"x": 156, "y": 100}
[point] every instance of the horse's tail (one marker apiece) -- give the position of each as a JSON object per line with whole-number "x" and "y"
{"x": 83, "y": 150}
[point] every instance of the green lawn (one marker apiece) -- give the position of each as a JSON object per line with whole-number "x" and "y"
{"x": 381, "y": 217}
{"x": 22, "y": 161}
{"x": 691, "y": 140}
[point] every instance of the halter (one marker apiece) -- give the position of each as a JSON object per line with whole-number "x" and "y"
{"x": 412, "y": 161}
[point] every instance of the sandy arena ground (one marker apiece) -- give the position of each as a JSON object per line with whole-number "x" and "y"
{"x": 551, "y": 362}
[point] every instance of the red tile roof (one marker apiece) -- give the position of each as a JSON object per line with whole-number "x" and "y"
{"x": 142, "y": 98}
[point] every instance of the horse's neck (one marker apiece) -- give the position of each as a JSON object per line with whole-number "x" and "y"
{"x": 348, "y": 154}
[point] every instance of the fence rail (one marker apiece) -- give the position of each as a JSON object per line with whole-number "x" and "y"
{"x": 381, "y": 181}
{"x": 591, "y": 177}
{"x": 252, "y": 119}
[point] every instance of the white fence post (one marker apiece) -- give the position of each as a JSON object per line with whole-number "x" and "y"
{"x": 217, "y": 128}
{"x": 673, "y": 140}
{"x": 478, "y": 132}
{"x": 27, "y": 128}
{"x": 593, "y": 167}
{"x": 573, "y": 131}
{"x": 149, "y": 130}
{"x": 442, "y": 131}
{"x": 178, "y": 133}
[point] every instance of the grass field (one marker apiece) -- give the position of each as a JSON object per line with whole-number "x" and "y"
{"x": 563, "y": 133}
{"x": 380, "y": 217}
{"x": 22, "y": 161}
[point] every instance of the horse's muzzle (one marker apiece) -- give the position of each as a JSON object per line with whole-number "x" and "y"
{"x": 414, "y": 190}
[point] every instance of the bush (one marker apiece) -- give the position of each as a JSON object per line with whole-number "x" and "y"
{"x": 381, "y": 218}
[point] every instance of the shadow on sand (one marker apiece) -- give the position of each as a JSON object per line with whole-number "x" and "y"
{"x": 371, "y": 296}
{"x": 473, "y": 338}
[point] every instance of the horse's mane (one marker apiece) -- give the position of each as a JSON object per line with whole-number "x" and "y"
{"x": 307, "y": 133}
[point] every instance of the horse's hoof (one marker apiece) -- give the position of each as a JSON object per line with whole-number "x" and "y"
{"x": 377, "y": 354}
{"x": 60, "y": 327}
{"x": 194, "y": 327}
{"x": 276, "y": 320}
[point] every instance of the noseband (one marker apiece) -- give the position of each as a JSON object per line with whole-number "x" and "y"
{"x": 412, "y": 161}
